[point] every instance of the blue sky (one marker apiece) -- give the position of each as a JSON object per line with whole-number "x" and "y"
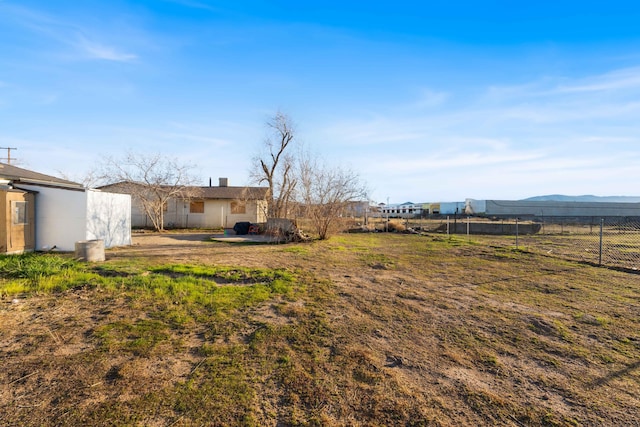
{"x": 427, "y": 101}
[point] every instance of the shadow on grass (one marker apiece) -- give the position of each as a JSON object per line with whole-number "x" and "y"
{"x": 616, "y": 374}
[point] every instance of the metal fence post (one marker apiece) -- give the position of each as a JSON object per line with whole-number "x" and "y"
{"x": 468, "y": 221}
{"x": 601, "y": 232}
{"x": 448, "y": 235}
{"x": 516, "y": 233}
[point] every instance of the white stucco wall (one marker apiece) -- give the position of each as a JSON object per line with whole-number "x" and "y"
{"x": 176, "y": 214}
{"x": 64, "y": 217}
{"x": 109, "y": 218}
{"x": 61, "y": 217}
{"x": 217, "y": 213}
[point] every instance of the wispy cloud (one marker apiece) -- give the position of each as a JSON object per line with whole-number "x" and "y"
{"x": 429, "y": 98}
{"x": 550, "y": 134}
{"x": 97, "y": 50}
{"x": 193, "y": 4}
{"x": 160, "y": 137}
{"x": 457, "y": 161}
{"x": 602, "y": 107}
{"x": 614, "y": 81}
{"x": 375, "y": 130}
{"x": 86, "y": 42}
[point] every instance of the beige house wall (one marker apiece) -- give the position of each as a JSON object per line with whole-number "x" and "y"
{"x": 217, "y": 214}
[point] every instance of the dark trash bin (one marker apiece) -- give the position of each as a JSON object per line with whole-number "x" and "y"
{"x": 242, "y": 227}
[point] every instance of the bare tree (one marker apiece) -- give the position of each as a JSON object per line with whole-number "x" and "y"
{"x": 90, "y": 179}
{"x": 152, "y": 180}
{"x": 297, "y": 179}
{"x": 275, "y": 166}
{"x": 326, "y": 193}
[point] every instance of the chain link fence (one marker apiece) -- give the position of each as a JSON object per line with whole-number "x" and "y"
{"x": 612, "y": 242}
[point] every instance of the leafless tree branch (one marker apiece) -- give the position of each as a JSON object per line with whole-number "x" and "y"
{"x": 152, "y": 180}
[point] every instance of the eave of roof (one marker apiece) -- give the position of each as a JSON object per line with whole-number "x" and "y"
{"x": 24, "y": 176}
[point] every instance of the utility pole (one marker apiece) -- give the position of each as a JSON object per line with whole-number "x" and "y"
{"x": 8, "y": 153}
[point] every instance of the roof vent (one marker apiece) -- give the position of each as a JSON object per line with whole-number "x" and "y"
{"x": 224, "y": 182}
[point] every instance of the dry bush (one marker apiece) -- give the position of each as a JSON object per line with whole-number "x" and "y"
{"x": 397, "y": 226}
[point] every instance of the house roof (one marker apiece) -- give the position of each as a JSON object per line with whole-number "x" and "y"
{"x": 232, "y": 193}
{"x": 252, "y": 193}
{"x": 24, "y": 176}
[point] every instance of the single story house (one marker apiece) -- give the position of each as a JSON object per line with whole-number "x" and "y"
{"x": 42, "y": 212}
{"x": 204, "y": 207}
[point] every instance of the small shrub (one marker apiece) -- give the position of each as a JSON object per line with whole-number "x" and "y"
{"x": 396, "y": 226}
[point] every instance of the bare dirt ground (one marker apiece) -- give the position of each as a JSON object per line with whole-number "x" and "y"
{"x": 474, "y": 338}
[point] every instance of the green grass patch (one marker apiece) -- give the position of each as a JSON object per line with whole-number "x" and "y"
{"x": 215, "y": 288}
{"x": 29, "y": 273}
{"x": 225, "y": 275}
{"x": 34, "y": 266}
{"x": 42, "y": 273}
{"x": 297, "y": 249}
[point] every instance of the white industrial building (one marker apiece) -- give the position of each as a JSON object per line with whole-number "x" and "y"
{"x": 401, "y": 210}
{"x": 514, "y": 208}
{"x": 416, "y": 210}
{"x": 542, "y": 209}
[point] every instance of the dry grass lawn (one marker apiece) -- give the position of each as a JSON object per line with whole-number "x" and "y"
{"x": 373, "y": 329}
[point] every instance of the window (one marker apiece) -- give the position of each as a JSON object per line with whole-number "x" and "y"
{"x": 18, "y": 212}
{"x": 196, "y": 207}
{"x": 238, "y": 207}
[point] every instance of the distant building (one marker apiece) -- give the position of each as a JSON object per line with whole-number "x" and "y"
{"x": 418, "y": 210}
{"x": 402, "y": 210}
{"x": 542, "y": 209}
{"x": 443, "y": 208}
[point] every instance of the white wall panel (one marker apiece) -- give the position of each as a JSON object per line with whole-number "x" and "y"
{"x": 61, "y": 217}
{"x": 109, "y": 218}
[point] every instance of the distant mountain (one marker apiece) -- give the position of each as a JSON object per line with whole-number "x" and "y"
{"x": 586, "y": 198}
